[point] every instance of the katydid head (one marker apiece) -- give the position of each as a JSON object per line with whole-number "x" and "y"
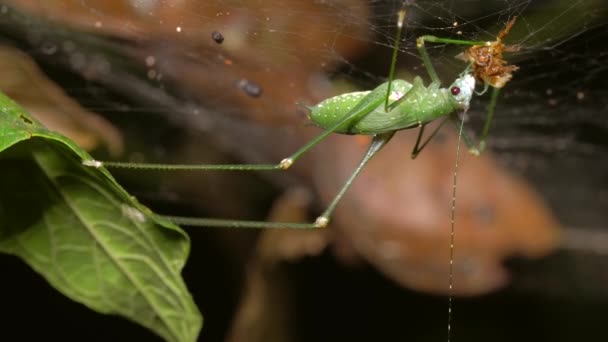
{"x": 462, "y": 90}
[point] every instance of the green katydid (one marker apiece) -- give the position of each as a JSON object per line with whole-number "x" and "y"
{"x": 390, "y": 107}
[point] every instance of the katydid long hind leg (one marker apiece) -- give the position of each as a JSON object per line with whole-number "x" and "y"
{"x": 359, "y": 111}
{"x": 378, "y": 142}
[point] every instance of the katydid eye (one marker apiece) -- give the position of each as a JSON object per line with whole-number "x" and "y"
{"x": 455, "y": 91}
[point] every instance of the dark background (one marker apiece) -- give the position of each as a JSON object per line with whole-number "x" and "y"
{"x": 553, "y": 138}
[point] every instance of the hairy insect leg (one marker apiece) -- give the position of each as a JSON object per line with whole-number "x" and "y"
{"x": 359, "y": 111}
{"x": 419, "y": 147}
{"x": 182, "y": 167}
{"x": 378, "y": 142}
{"x": 420, "y": 44}
{"x": 376, "y": 145}
{"x": 481, "y": 146}
{"x": 226, "y": 223}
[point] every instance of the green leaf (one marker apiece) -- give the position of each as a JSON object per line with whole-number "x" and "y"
{"x": 85, "y": 234}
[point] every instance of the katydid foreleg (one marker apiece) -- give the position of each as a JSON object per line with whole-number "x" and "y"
{"x": 480, "y": 147}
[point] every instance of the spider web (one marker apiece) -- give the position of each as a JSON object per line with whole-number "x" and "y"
{"x": 155, "y": 60}
{"x": 549, "y": 109}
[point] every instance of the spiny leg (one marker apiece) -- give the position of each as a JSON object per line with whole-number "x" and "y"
{"x": 473, "y": 149}
{"x": 432, "y": 39}
{"x": 360, "y": 110}
{"x": 226, "y": 223}
{"x": 376, "y": 145}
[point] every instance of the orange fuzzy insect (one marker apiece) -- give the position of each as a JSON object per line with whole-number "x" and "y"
{"x": 487, "y": 62}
